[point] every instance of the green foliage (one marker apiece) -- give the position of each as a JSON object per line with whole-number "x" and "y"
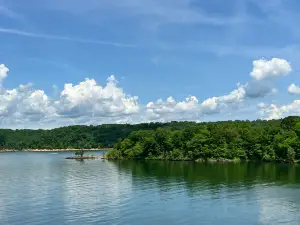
{"x": 233, "y": 140}
{"x": 114, "y": 154}
{"x": 79, "y": 153}
{"x": 289, "y": 123}
{"x": 290, "y": 154}
{"x": 79, "y": 137}
{"x": 244, "y": 140}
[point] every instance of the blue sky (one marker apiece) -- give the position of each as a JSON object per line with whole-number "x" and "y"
{"x": 171, "y": 60}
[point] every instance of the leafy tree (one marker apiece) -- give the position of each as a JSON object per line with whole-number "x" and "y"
{"x": 290, "y": 154}
{"x": 248, "y": 140}
{"x": 289, "y": 123}
{"x": 79, "y": 153}
{"x": 252, "y": 140}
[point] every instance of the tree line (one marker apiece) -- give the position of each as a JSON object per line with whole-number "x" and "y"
{"x": 234, "y": 140}
{"x": 78, "y": 137}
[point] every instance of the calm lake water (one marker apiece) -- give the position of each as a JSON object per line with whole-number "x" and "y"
{"x": 44, "y": 188}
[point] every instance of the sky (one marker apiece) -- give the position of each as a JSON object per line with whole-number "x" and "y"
{"x": 96, "y": 62}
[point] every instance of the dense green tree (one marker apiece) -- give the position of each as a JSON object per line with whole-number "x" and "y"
{"x": 245, "y": 140}
{"x": 80, "y": 137}
{"x": 249, "y": 140}
{"x": 79, "y": 153}
{"x": 289, "y": 123}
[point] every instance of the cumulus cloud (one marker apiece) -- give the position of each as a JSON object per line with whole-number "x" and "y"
{"x": 262, "y": 84}
{"x": 170, "y": 105}
{"x": 273, "y": 111}
{"x": 259, "y": 89}
{"x": 275, "y": 67}
{"x": 90, "y": 99}
{"x": 190, "y": 108}
{"x": 25, "y": 103}
{"x": 235, "y": 96}
{"x": 36, "y": 105}
{"x": 91, "y": 103}
{"x": 3, "y": 72}
{"x": 170, "y": 109}
{"x": 294, "y": 89}
{"x": 84, "y": 101}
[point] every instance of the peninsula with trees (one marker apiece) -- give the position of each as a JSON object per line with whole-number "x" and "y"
{"x": 270, "y": 141}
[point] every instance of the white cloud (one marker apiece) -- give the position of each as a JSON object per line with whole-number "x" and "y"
{"x": 270, "y": 111}
{"x": 270, "y": 68}
{"x": 25, "y": 103}
{"x": 90, "y": 103}
{"x": 90, "y": 99}
{"x": 260, "y": 86}
{"x": 3, "y": 72}
{"x": 80, "y": 103}
{"x": 273, "y": 111}
{"x": 171, "y": 109}
{"x": 190, "y": 108}
{"x": 77, "y": 104}
{"x": 210, "y": 105}
{"x": 235, "y": 96}
{"x": 294, "y": 89}
{"x": 36, "y": 105}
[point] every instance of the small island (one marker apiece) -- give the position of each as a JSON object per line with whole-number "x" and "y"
{"x": 79, "y": 156}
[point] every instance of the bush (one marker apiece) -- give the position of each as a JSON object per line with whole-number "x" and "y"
{"x": 114, "y": 154}
{"x": 79, "y": 153}
{"x": 291, "y": 154}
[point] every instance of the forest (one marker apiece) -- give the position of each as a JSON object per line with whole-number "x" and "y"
{"x": 231, "y": 140}
{"x": 275, "y": 140}
{"x": 78, "y": 137}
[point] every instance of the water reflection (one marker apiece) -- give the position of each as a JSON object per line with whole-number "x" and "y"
{"x": 213, "y": 175}
{"x": 94, "y": 189}
{"x": 264, "y": 193}
{"x": 41, "y": 188}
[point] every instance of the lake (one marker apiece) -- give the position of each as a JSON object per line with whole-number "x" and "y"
{"x": 45, "y": 188}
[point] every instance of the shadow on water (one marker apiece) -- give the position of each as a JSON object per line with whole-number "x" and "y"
{"x": 197, "y": 176}
{"x": 80, "y": 160}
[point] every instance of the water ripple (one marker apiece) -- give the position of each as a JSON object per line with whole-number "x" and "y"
{"x": 41, "y": 188}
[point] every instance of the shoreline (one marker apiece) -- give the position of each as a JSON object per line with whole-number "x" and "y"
{"x": 208, "y": 160}
{"x": 85, "y": 157}
{"x": 55, "y": 150}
